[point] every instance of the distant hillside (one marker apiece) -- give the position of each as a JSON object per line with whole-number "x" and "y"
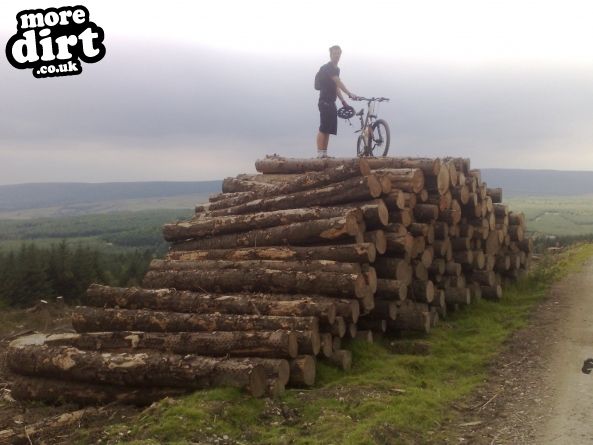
{"x": 539, "y": 182}
{"x": 68, "y": 199}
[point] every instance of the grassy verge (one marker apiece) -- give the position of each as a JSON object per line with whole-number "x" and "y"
{"x": 385, "y": 399}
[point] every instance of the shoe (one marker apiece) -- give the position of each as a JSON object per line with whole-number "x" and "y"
{"x": 321, "y": 154}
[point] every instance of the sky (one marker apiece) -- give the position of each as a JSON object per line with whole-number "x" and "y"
{"x": 199, "y": 90}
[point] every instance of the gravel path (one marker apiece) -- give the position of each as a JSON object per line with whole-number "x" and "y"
{"x": 537, "y": 393}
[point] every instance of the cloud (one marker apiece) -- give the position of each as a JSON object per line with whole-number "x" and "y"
{"x": 153, "y": 111}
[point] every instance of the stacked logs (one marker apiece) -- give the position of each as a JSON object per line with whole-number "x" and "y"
{"x": 277, "y": 270}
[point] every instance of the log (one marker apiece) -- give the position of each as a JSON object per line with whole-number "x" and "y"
{"x": 346, "y": 253}
{"x": 249, "y": 265}
{"x": 438, "y": 267}
{"x": 409, "y": 180}
{"x": 422, "y": 291}
{"x": 396, "y": 200}
{"x": 398, "y": 244}
{"x": 375, "y": 213}
{"x": 338, "y": 328}
{"x": 274, "y": 368}
{"x": 59, "y": 391}
{"x": 186, "y": 301}
{"x": 342, "y": 358}
{"x": 350, "y": 190}
{"x": 492, "y": 292}
{"x": 280, "y": 165}
{"x": 404, "y": 216}
{"x": 266, "y": 344}
{"x": 485, "y": 277}
{"x": 87, "y": 319}
{"x": 392, "y": 289}
{"x": 347, "y": 308}
{"x": 456, "y": 295}
{"x": 302, "y": 371}
{"x": 205, "y": 226}
{"x": 383, "y": 310}
{"x": 495, "y": 194}
{"x": 393, "y": 268}
{"x": 426, "y": 212}
{"x": 135, "y": 369}
{"x": 364, "y": 335}
{"x": 410, "y": 317}
{"x": 275, "y": 165}
{"x": 264, "y": 280}
{"x": 327, "y": 344}
{"x": 308, "y": 232}
{"x": 372, "y": 325}
{"x": 306, "y": 181}
{"x": 378, "y": 239}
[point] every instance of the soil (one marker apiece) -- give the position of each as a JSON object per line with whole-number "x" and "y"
{"x": 536, "y": 392}
{"x": 15, "y": 415}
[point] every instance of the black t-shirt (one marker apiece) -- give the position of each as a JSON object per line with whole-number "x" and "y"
{"x": 328, "y": 86}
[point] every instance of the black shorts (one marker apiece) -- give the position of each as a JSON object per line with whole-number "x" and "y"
{"x": 328, "y": 114}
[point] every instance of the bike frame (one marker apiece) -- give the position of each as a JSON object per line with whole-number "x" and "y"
{"x": 368, "y": 119}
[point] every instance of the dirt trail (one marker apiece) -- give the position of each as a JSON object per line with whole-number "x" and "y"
{"x": 569, "y": 417}
{"x": 537, "y": 393}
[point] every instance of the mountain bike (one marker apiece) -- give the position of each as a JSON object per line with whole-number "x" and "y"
{"x": 374, "y": 135}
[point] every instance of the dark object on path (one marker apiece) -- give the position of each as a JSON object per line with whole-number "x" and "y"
{"x": 588, "y": 366}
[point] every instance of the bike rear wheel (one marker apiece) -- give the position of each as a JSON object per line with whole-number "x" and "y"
{"x": 381, "y": 138}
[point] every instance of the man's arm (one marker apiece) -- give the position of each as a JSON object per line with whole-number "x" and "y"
{"x": 339, "y": 93}
{"x": 340, "y": 86}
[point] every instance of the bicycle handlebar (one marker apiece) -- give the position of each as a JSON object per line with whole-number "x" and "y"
{"x": 371, "y": 99}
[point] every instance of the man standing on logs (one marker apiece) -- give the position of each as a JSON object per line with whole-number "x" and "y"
{"x": 328, "y": 82}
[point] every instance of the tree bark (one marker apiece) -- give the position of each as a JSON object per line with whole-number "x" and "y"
{"x": 350, "y": 190}
{"x": 346, "y": 253}
{"x": 60, "y": 391}
{"x": 137, "y": 370}
{"x": 391, "y": 290}
{"x": 302, "y": 371}
{"x": 492, "y": 292}
{"x": 378, "y": 239}
{"x": 457, "y": 295}
{"x": 308, "y": 232}
{"x": 342, "y": 358}
{"x": 232, "y": 224}
{"x": 306, "y": 181}
{"x": 409, "y": 180}
{"x": 375, "y": 213}
{"x": 399, "y": 244}
{"x": 265, "y": 344}
{"x": 249, "y": 265}
{"x": 410, "y": 317}
{"x": 264, "y": 280}
{"x": 86, "y": 319}
{"x": 186, "y": 301}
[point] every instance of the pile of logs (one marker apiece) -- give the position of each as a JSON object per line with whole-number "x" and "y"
{"x": 277, "y": 271}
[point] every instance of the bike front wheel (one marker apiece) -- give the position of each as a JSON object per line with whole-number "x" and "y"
{"x": 360, "y": 147}
{"x": 381, "y": 138}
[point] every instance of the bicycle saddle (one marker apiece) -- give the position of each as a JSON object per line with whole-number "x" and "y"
{"x": 346, "y": 112}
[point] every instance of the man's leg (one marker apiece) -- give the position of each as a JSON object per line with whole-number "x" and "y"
{"x": 322, "y": 143}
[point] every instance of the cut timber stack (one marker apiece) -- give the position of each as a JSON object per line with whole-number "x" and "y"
{"x": 277, "y": 270}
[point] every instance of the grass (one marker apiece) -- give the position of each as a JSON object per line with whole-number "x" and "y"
{"x": 557, "y": 215}
{"x": 385, "y": 399}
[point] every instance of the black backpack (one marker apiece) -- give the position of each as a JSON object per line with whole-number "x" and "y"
{"x": 318, "y": 80}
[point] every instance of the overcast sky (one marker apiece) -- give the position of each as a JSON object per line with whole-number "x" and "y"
{"x": 199, "y": 90}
